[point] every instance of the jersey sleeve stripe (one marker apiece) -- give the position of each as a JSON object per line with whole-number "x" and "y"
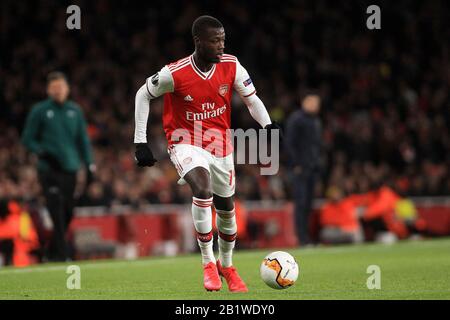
{"x": 172, "y": 66}
{"x": 146, "y": 85}
{"x": 179, "y": 67}
{"x": 178, "y": 63}
{"x": 228, "y": 56}
{"x": 254, "y": 91}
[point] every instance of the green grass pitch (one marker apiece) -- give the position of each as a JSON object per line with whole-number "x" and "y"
{"x": 409, "y": 270}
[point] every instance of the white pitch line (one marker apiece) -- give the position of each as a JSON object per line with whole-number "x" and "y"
{"x": 83, "y": 265}
{"x": 120, "y": 264}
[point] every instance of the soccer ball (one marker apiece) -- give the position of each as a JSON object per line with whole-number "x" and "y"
{"x": 279, "y": 270}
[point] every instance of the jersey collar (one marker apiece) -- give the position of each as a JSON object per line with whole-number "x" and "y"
{"x": 204, "y": 75}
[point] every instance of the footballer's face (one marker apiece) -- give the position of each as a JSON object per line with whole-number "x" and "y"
{"x": 211, "y": 45}
{"x": 58, "y": 90}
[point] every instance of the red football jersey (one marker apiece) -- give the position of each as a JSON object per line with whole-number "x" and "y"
{"x": 201, "y": 104}
{"x": 197, "y": 105}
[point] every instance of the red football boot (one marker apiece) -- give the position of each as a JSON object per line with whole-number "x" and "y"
{"x": 211, "y": 279}
{"x": 234, "y": 281}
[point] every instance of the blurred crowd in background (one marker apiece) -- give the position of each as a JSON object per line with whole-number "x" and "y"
{"x": 385, "y": 93}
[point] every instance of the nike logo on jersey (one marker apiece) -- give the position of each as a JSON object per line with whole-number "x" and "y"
{"x": 188, "y": 98}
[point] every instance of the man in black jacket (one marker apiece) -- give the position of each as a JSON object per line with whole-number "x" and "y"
{"x": 303, "y": 145}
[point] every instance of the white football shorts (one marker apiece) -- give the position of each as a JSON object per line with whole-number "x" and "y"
{"x": 186, "y": 157}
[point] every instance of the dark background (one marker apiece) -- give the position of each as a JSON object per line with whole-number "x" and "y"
{"x": 386, "y": 107}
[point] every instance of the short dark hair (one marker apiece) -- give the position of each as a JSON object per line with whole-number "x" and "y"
{"x": 56, "y": 75}
{"x": 202, "y": 23}
{"x": 309, "y": 92}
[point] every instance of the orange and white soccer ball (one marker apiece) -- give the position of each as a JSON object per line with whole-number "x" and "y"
{"x": 279, "y": 270}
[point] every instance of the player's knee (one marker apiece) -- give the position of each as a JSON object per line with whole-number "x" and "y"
{"x": 224, "y": 204}
{"x": 226, "y": 215}
{"x": 203, "y": 192}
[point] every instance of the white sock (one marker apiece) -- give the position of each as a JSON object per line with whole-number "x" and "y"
{"x": 226, "y": 224}
{"x": 206, "y": 249}
{"x": 202, "y": 216}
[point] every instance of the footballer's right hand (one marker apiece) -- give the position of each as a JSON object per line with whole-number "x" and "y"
{"x": 143, "y": 155}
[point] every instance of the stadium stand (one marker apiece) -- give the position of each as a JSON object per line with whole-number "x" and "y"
{"x": 386, "y": 103}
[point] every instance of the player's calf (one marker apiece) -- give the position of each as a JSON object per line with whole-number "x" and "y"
{"x": 226, "y": 225}
{"x": 201, "y": 214}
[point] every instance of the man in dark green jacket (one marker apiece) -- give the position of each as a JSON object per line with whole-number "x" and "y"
{"x": 55, "y": 130}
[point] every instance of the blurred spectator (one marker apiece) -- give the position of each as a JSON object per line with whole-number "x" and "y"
{"x": 388, "y": 216}
{"x": 303, "y": 144}
{"x": 18, "y": 237}
{"x": 95, "y": 196}
{"x": 380, "y": 215}
{"x": 406, "y": 211}
{"x": 339, "y": 219}
{"x": 385, "y": 95}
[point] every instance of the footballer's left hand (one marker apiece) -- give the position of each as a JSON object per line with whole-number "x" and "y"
{"x": 274, "y": 126}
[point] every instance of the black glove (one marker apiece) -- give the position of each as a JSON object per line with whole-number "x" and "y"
{"x": 144, "y": 155}
{"x": 50, "y": 160}
{"x": 274, "y": 126}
